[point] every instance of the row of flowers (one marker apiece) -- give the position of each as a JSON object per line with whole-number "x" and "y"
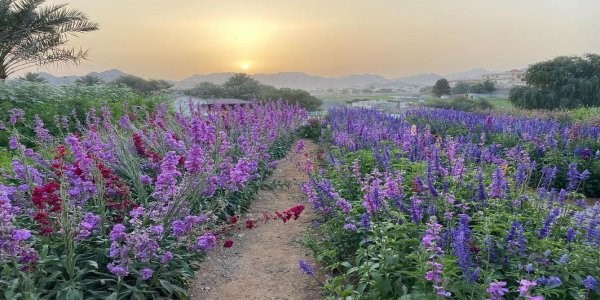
{"x": 120, "y": 208}
{"x": 410, "y": 213}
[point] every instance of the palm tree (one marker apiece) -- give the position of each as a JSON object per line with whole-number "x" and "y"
{"x": 89, "y": 80}
{"x": 32, "y": 77}
{"x": 31, "y": 35}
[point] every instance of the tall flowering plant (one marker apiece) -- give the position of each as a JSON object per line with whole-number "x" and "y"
{"x": 119, "y": 208}
{"x": 511, "y": 221}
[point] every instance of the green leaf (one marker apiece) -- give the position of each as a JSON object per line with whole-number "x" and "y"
{"x": 112, "y": 296}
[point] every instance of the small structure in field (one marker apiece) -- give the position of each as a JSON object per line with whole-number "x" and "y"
{"x": 182, "y": 103}
{"x": 225, "y": 102}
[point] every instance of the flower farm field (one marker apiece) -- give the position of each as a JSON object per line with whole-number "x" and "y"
{"x": 428, "y": 204}
{"x": 446, "y": 204}
{"x": 120, "y": 208}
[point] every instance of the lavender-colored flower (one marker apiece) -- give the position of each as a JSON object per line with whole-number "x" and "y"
{"x": 206, "y": 242}
{"x": 480, "y": 195}
{"x": 166, "y": 257}
{"x": 550, "y": 219}
{"x": 125, "y": 122}
{"x": 195, "y": 160}
{"x": 41, "y": 133}
{"x": 166, "y": 181}
{"x": 499, "y": 185}
{"x": 461, "y": 238}
{"x": 570, "y": 235}
{"x": 180, "y": 228}
{"x": 350, "y": 227}
{"x": 89, "y": 224}
{"x": 21, "y": 234}
{"x": 590, "y": 283}
{"x": 431, "y": 239}
{"x": 553, "y": 282}
{"x": 525, "y": 287}
{"x": 372, "y": 198}
{"x": 515, "y": 239}
{"x": 306, "y": 268}
{"x": 146, "y": 273}
{"x": 562, "y": 196}
{"x": 145, "y": 179}
{"x": 574, "y": 177}
{"x": 365, "y": 221}
{"x": 520, "y": 175}
{"x": 344, "y": 205}
{"x": 496, "y": 290}
{"x": 392, "y": 188}
{"x": 157, "y": 230}
{"x": 241, "y": 173}
{"x": 13, "y": 143}
{"x": 548, "y": 174}
{"x": 299, "y": 146}
{"x": 117, "y": 233}
{"x": 16, "y": 115}
{"x": 416, "y": 209}
{"x": 118, "y": 270}
{"x": 28, "y": 256}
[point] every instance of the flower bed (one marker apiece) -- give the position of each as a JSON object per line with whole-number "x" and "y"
{"x": 120, "y": 208}
{"x": 444, "y": 204}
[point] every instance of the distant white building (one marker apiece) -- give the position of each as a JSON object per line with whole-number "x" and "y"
{"x": 508, "y": 79}
{"x": 505, "y": 80}
{"x": 367, "y": 103}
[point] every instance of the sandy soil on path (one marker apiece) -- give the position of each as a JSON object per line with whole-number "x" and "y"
{"x": 263, "y": 262}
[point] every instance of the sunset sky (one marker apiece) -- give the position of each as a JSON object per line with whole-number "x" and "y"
{"x": 178, "y": 38}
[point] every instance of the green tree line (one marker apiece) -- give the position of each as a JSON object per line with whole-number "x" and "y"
{"x": 243, "y": 86}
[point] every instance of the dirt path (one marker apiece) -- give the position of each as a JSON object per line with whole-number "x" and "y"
{"x": 263, "y": 263}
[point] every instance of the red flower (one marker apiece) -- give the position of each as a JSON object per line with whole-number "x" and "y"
{"x": 228, "y": 244}
{"x": 233, "y": 219}
{"x": 297, "y": 210}
{"x": 293, "y": 211}
{"x": 250, "y": 223}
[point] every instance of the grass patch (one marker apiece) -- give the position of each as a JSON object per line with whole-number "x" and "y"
{"x": 5, "y": 159}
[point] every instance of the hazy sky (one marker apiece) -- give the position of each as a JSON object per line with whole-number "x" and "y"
{"x": 177, "y": 38}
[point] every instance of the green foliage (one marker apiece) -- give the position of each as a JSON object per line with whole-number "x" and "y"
{"x": 302, "y": 97}
{"x": 564, "y": 82}
{"x": 486, "y": 86}
{"x": 32, "y": 77}
{"x": 143, "y": 86}
{"x": 441, "y": 87}
{"x": 462, "y": 103}
{"x": 5, "y": 159}
{"x": 32, "y": 35}
{"x": 89, "y": 80}
{"x": 243, "y": 86}
{"x": 461, "y": 88}
{"x": 312, "y": 130}
{"x": 206, "y": 89}
{"x": 73, "y": 101}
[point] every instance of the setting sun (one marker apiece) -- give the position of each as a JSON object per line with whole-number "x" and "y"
{"x": 245, "y": 66}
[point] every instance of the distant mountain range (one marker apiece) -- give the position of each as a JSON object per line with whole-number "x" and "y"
{"x": 106, "y": 76}
{"x": 294, "y": 79}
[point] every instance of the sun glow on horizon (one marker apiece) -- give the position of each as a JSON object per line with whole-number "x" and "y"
{"x": 245, "y": 66}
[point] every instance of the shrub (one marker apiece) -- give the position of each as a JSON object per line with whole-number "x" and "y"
{"x": 462, "y": 104}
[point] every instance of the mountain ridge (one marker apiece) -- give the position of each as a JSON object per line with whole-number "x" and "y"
{"x": 299, "y": 80}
